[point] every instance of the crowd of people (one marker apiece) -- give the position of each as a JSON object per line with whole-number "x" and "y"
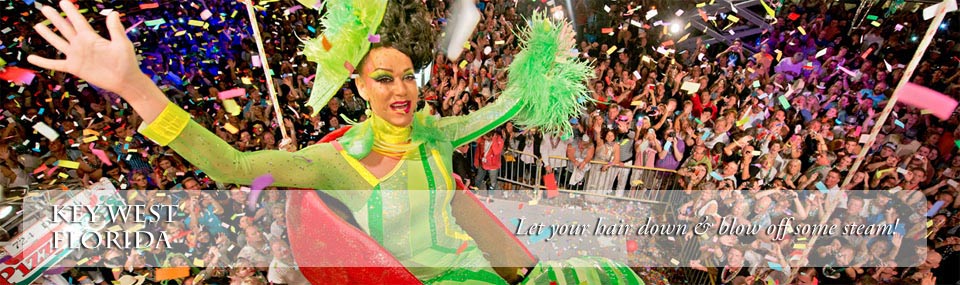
{"x": 784, "y": 110}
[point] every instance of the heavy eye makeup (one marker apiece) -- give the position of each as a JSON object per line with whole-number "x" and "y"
{"x": 383, "y": 76}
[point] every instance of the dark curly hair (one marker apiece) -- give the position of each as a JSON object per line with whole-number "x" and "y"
{"x": 406, "y": 27}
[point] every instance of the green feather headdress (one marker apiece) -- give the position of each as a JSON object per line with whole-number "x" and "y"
{"x": 347, "y": 25}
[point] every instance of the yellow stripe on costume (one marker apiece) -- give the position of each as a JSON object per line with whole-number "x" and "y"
{"x": 372, "y": 180}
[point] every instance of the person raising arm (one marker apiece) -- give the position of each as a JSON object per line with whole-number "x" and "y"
{"x": 112, "y": 65}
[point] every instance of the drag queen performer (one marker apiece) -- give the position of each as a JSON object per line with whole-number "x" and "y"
{"x": 395, "y": 149}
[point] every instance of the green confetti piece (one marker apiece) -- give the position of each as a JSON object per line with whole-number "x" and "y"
{"x": 872, "y": 17}
{"x": 784, "y": 102}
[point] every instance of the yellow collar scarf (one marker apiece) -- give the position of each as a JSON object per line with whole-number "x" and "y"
{"x": 388, "y": 139}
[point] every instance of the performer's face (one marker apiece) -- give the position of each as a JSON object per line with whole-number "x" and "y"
{"x": 387, "y": 82}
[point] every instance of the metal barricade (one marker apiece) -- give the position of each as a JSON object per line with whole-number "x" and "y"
{"x": 520, "y": 169}
{"x": 644, "y": 184}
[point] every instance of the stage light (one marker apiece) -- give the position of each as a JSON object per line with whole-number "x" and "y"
{"x": 676, "y": 27}
{"x": 943, "y": 26}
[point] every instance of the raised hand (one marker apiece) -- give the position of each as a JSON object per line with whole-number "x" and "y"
{"x": 106, "y": 63}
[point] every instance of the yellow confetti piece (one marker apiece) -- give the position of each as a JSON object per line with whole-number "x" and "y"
{"x": 230, "y": 128}
{"x": 198, "y": 262}
{"x": 875, "y": 23}
{"x": 90, "y": 139}
{"x": 770, "y": 12}
{"x": 733, "y": 18}
{"x": 136, "y": 227}
{"x": 929, "y": 223}
{"x": 779, "y": 55}
{"x": 68, "y": 164}
{"x": 802, "y": 31}
{"x": 245, "y": 80}
{"x": 499, "y": 42}
{"x": 800, "y": 246}
{"x": 701, "y": 5}
{"x": 63, "y": 175}
{"x": 466, "y": 45}
{"x": 463, "y": 64}
{"x": 196, "y": 23}
{"x": 611, "y": 50}
{"x": 179, "y": 33}
{"x": 231, "y": 107}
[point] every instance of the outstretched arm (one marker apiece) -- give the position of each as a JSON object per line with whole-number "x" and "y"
{"x": 112, "y": 65}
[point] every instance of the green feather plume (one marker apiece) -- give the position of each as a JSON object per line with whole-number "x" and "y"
{"x": 347, "y": 25}
{"x": 546, "y": 79}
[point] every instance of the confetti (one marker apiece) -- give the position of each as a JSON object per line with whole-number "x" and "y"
{"x": 231, "y": 107}
{"x": 18, "y": 75}
{"x": 935, "y": 208}
{"x": 101, "y": 155}
{"x": 230, "y": 128}
{"x": 690, "y": 87}
{"x": 232, "y": 93}
{"x": 146, "y": 6}
{"x": 46, "y": 131}
{"x": 651, "y": 14}
{"x": 206, "y": 14}
{"x": 940, "y": 105}
{"x": 373, "y": 38}
{"x": 261, "y": 182}
{"x": 464, "y": 19}
{"x": 68, "y": 164}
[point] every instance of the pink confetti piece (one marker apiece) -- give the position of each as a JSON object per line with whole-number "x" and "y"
{"x": 261, "y": 182}
{"x": 206, "y": 14}
{"x": 307, "y": 79}
{"x": 941, "y": 106}
{"x": 293, "y": 9}
{"x": 373, "y": 38}
{"x": 232, "y": 93}
{"x": 134, "y": 26}
{"x": 101, "y": 155}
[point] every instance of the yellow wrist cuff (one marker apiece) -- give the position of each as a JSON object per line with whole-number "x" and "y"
{"x": 167, "y": 127}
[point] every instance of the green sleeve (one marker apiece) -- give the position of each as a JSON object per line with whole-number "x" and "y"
{"x": 461, "y": 130}
{"x": 223, "y": 163}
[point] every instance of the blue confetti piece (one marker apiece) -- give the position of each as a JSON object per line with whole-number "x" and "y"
{"x": 41, "y": 111}
{"x": 936, "y": 208}
{"x": 775, "y": 266}
{"x": 312, "y": 30}
{"x": 899, "y": 124}
{"x": 716, "y": 176}
{"x": 821, "y": 187}
{"x": 542, "y": 236}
